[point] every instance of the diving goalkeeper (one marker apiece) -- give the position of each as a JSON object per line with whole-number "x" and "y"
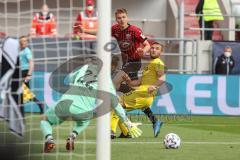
{"x": 78, "y": 105}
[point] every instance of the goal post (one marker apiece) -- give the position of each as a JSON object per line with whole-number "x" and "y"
{"x": 49, "y": 53}
{"x": 103, "y": 148}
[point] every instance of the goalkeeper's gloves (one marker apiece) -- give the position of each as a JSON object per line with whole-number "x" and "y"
{"x": 133, "y": 129}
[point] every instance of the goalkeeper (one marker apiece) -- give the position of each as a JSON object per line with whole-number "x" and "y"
{"x": 78, "y": 105}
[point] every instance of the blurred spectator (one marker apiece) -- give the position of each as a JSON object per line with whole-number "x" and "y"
{"x": 85, "y": 26}
{"x": 211, "y": 13}
{"x": 224, "y": 63}
{"x": 2, "y": 35}
{"x": 236, "y": 12}
{"x": 43, "y": 23}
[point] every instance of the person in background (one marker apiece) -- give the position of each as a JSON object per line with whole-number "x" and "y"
{"x": 2, "y": 34}
{"x": 26, "y": 65}
{"x": 43, "y": 23}
{"x": 211, "y": 13}
{"x": 224, "y": 63}
{"x": 85, "y": 26}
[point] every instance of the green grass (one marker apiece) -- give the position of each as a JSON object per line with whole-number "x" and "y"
{"x": 203, "y": 137}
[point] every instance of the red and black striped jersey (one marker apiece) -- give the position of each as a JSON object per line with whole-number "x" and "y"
{"x": 129, "y": 40}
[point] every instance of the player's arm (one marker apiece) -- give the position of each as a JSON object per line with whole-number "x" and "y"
{"x": 134, "y": 83}
{"x": 30, "y": 70}
{"x": 31, "y": 64}
{"x": 161, "y": 79}
{"x": 146, "y": 46}
{"x": 30, "y": 67}
{"x": 143, "y": 40}
{"x": 142, "y": 51}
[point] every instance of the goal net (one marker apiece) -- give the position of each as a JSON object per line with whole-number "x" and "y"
{"x": 49, "y": 52}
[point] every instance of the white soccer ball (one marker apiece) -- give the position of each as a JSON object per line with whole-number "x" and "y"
{"x": 172, "y": 141}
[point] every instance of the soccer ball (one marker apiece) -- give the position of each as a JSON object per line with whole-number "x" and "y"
{"x": 172, "y": 141}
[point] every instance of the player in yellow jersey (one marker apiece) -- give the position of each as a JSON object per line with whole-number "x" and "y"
{"x": 142, "y": 97}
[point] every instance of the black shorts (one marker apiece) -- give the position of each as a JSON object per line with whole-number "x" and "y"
{"x": 132, "y": 68}
{"x": 24, "y": 74}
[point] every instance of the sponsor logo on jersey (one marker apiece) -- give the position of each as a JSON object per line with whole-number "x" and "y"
{"x": 124, "y": 44}
{"x": 128, "y": 36}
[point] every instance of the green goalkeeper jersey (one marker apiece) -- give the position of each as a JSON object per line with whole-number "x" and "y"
{"x": 83, "y": 95}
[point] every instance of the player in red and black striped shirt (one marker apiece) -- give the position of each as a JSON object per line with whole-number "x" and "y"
{"x": 131, "y": 41}
{"x": 133, "y": 44}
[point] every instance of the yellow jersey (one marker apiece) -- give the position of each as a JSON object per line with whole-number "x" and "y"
{"x": 149, "y": 75}
{"x": 140, "y": 98}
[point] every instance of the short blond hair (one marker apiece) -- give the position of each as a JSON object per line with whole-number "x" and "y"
{"x": 120, "y": 11}
{"x": 155, "y": 42}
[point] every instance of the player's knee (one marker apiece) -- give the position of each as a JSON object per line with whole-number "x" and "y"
{"x": 120, "y": 74}
{"x": 123, "y": 74}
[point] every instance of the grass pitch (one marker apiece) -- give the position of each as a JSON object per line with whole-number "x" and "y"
{"x": 202, "y": 137}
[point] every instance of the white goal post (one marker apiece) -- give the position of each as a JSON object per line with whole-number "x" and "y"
{"x": 103, "y": 148}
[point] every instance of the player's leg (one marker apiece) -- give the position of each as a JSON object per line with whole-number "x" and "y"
{"x": 46, "y": 123}
{"x": 114, "y": 124}
{"x": 46, "y": 128}
{"x": 80, "y": 126}
{"x": 119, "y": 84}
{"x": 124, "y": 131}
{"x": 143, "y": 101}
{"x": 134, "y": 67}
{"x": 118, "y": 79}
{"x": 122, "y": 127}
{"x": 147, "y": 110}
{"x": 40, "y": 105}
{"x": 156, "y": 122}
{"x": 144, "y": 104}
